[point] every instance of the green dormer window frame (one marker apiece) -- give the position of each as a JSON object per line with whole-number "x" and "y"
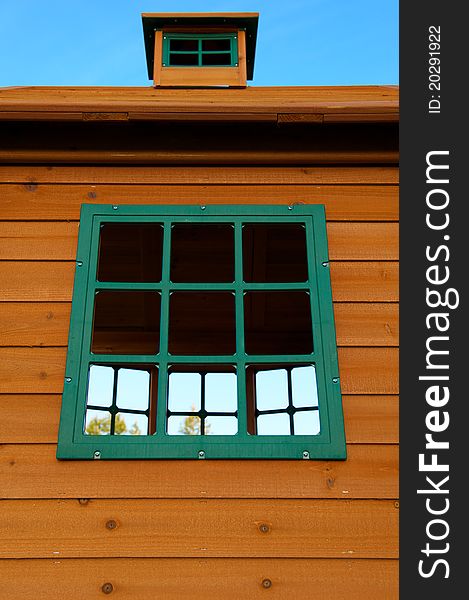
{"x": 266, "y": 312}
{"x": 200, "y": 50}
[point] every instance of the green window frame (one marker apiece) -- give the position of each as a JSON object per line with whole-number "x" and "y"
{"x": 329, "y": 443}
{"x": 200, "y": 50}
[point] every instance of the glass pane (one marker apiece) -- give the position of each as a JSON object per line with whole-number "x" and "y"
{"x": 221, "y": 392}
{"x": 182, "y": 44}
{"x": 183, "y": 60}
{"x": 278, "y": 424}
{"x": 189, "y": 425}
{"x": 97, "y": 422}
{"x": 202, "y": 323}
{"x": 184, "y": 392}
{"x": 126, "y": 322}
{"x": 306, "y": 422}
{"x": 278, "y": 323}
{"x": 202, "y": 253}
{"x": 130, "y": 252}
{"x": 271, "y": 389}
{"x": 304, "y": 386}
{"x": 130, "y": 424}
{"x": 221, "y": 425}
{"x": 219, "y": 45}
{"x": 216, "y": 60}
{"x": 133, "y": 389}
{"x": 100, "y": 385}
{"x": 274, "y": 252}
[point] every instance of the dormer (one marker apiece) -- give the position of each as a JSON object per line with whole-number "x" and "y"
{"x": 200, "y": 49}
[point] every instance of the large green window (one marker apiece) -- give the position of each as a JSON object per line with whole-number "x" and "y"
{"x": 200, "y": 50}
{"x": 202, "y": 332}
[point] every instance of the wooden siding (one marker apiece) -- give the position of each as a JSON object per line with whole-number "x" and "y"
{"x": 332, "y": 524}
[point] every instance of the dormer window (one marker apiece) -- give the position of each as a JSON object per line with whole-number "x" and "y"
{"x": 200, "y": 50}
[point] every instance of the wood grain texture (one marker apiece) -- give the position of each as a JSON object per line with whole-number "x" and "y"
{"x": 201, "y": 157}
{"x": 193, "y": 579}
{"x": 200, "y": 529}
{"x": 42, "y": 370}
{"x": 32, "y": 471}
{"x": 366, "y": 324}
{"x": 47, "y": 323}
{"x": 41, "y": 281}
{"x": 59, "y": 201}
{"x": 320, "y": 99}
{"x": 30, "y": 240}
{"x": 94, "y": 174}
{"x": 34, "y": 418}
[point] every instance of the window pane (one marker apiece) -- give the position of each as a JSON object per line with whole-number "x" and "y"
{"x": 202, "y": 323}
{"x": 219, "y": 45}
{"x": 183, "y": 60}
{"x": 216, "y": 60}
{"x": 221, "y": 392}
{"x": 202, "y": 253}
{"x": 184, "y": 392}
{"x": 278, "y": 323}
{"x": 274, "y": 253}
{"x": 130, "y": 252}
{"x": 304, "y": 386}
{"x": 133, "y": 389}
{"x": 130, "y": 424}
{"x": 306, "y": 422}
{"x": 100, "y": 385}
{"x": 183, "y": 44}
{"x": 273, "y": 424}
{"x": 271, "y": 389}
{"x": 97, "y": 422}
{"x": 189, "y": 425}
{"x": 221, "y": 425}
{"x": 126, "y": 322}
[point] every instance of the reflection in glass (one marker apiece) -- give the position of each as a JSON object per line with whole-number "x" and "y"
{"x": 277, "y": 424}
{"x": 271, "y": 389}
{"x": 119, "y": 400}
{"x": 282, "y": 400}
{"x": 188, "y": 425}
{"x": 133, "y": 389}
{"x": 304, "y": 386}
{"x": 306, "y": 422}
{"x": 184, "y": 392}
{"x": 202, "y": 400}
{"x": 100, "y": 384}
{"x": 221, "y": 394}
{"x": 221, "y": 425}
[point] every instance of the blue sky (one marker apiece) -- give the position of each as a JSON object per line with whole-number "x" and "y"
{"x": 100, "y": 42}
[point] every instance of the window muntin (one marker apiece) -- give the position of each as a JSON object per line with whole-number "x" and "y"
{"x": 200, "y": 50}
{"x": 245, "y": 433}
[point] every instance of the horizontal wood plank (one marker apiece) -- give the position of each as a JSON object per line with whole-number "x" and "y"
{"x": 32, "y": 471}
{"x": 342, "y": 203}
{"x": 47, "y": 323}
{"x": 41, "y": 281}
{"x": 93, "y": 174}
{"x": 34, "y": 418}
{"x": 193, "y": 579}
{"x": 30, "y": 240}
{"x": 42, "y": 370}
{"x": 247, "y": 156}
{"x": 200, "y": 529}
